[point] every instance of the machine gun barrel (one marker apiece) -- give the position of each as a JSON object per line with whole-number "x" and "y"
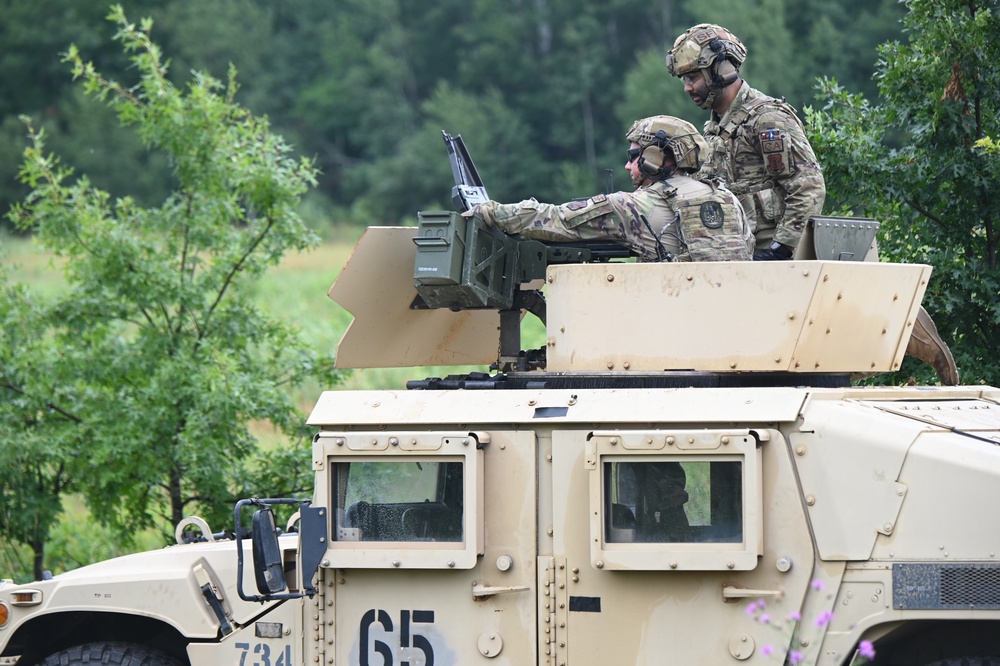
{"x": 469, "y": 190}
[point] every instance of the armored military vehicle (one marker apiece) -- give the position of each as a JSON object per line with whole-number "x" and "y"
{"x": 684, "y": 472}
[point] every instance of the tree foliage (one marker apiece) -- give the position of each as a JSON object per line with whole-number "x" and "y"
{"x": 912, "y": 161}
{"x": 152, "y": 365}
{"x": 359, "y": 84}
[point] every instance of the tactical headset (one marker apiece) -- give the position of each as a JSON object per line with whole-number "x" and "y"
{"x": 649, "y": 167}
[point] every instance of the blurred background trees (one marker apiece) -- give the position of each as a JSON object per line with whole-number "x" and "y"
{"x": 542, "y": 90}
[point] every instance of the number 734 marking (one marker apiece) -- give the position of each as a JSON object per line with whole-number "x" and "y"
{"x": 262, "y": 655}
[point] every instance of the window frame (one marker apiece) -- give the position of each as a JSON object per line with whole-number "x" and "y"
{"x": 334, "y": 449}
{"x": 679, "y": 446}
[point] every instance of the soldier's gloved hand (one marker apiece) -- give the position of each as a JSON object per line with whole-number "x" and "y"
{"x": 485, "y": 211}
{"x": 777, "y": 252}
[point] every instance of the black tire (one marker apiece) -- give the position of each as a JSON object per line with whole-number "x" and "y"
{"x": 118, "y": 654}
{"x": 967, "y": 661}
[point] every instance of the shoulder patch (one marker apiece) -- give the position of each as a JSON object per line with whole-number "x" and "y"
{"x": 712, "y": 215}
{"x": 585, "y": 202}
{"x": 774, "y": 149}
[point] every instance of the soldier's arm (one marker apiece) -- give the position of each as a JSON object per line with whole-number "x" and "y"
{"x": 599, "y": 217}
{"x": 800, "y": 179}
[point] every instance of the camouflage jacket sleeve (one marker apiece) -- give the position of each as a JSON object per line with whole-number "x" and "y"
{"x": 604, "y": 216}
{"x": 790, "y": 164}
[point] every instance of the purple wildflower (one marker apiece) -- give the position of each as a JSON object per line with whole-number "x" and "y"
{"x": 866, "y": 649}
{"x": 794, "y": 616}
{"x": 766, "y": 650}
{"x": 754, "y": 607}
{"x": 818, "y": 585}
{"x": 794, "y": 657}
{"x": 823, "y": 619}
{"x": 765, "y": 618}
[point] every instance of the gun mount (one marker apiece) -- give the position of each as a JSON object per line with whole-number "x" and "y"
{"x": 797, "y": 322}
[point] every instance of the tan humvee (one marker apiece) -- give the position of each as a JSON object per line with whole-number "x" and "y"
{"x": 691, "y": 479}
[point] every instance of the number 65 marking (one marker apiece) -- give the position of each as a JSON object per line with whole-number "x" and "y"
{"x": 406, "y": 637}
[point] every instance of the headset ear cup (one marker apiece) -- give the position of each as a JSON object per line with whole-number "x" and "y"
{"x": 726, "y": 73}
{"x": 650, "y": 167}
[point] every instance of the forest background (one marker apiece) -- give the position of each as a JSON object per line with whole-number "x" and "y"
{"x": 900, "y": 99}
{"x": 542, "y": 90}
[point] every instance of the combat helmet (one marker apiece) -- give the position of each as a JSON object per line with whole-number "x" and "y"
{"x": 658, "y": 134}
{"x": 713, "y": 50}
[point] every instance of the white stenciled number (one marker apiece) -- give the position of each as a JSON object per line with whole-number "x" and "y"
{"x": 410, "y": 639}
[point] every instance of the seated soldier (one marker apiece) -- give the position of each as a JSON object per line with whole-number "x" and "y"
{"x": 660, "y": 502}
{"x": 671, "y": 215}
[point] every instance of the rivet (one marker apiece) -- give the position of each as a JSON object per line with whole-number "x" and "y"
{"x": 626, "y": 365}
{"x": 611, "y": 278}
{"x": 810, "y": 500}
{"x": 673, "y": 564}
{"x": 610, "y": 365}
{"x": 395, "y": 563}
{"x": 393, "y": 441}
{"x": 599, "y": 564}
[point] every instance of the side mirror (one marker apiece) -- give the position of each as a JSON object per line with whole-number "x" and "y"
{"x": 268, "y": 567}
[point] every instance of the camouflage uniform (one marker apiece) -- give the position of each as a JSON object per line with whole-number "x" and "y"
{"x": 692, "y": 219}
{"x": 760, "y": 150}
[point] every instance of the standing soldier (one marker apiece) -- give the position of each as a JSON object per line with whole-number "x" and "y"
{"x": 670, "y": 215}
{"x": 759, "y": 147}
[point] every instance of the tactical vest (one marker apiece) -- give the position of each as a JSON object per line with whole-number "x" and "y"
{"x": 708, "y": 225}
{"x": 737, "y": 122}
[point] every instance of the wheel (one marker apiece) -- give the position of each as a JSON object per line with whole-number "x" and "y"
{"x": 118, "y": 654}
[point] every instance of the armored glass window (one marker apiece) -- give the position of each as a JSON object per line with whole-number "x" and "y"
{"x": 399, "y": 501}
{"x": 673, "y": 502}
{"x": 402, "y": 499}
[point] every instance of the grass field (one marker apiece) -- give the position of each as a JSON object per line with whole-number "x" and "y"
{"x": 294, "y": 291}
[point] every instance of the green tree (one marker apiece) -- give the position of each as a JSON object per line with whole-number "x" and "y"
{"x": 42, "y": 435}
{"x": 156, "y": 351}
{"x": 911, "y": 161}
